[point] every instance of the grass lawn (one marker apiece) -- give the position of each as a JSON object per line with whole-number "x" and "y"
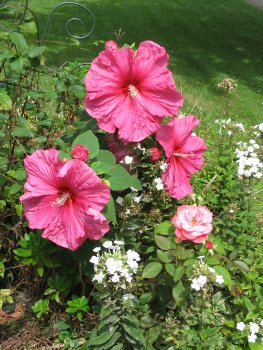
{"x": 208, "y": 40}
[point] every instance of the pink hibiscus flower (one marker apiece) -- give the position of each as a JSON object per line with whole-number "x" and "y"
{"x": 131, "y": 91}
{"x": 192, "y": 223}
{"x": 64, "y": 198}
{"x": 184, "y": 154}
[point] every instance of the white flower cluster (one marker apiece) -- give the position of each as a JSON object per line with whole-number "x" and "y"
{"x": 113, "y": 265}
{"x": 254, "y": 329}
{"x": 258, "y": 129}
{"x": 228, "y": 123}
{"x": 204, "y": 274}
{"x": 158, "y": 183}
{"x": 249, "y": 165}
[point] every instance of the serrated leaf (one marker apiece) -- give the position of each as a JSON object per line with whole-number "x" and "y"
{"x": 152, "y": 270}
{"x": 164, "y": 228}
{"x": 90, "y": 141}
{"x": 36, "y": 51}
{"x": 163, "y": 256}
{"x": 162, "y": 242}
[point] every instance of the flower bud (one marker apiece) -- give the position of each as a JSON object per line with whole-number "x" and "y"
{"x": 209, "y": 245}
{"x": 155, "y": 154}
{"x": 80, "y": 152}
{"x": 111, "y": 45}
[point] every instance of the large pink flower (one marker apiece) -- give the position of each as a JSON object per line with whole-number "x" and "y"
{"x": 64, "y": 198}
{"x": 131, "y": 91}
{"x": 193, "y": 223}
{"x": 184, "y": 154}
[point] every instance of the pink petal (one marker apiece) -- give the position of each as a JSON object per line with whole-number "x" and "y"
{"x": 95, "y": 224}
{"x": 38, "y": 210}
{"x": 173, "y": 135}
{"x": 42, "y": 167}
{"x": 86, "y": 186}
{"x": 176, "y": 180}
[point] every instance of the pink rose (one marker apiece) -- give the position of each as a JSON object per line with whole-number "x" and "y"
{"x": 155, "y": 154}
{"x": 192, "y": 223}
{"x": 80, "y": 152}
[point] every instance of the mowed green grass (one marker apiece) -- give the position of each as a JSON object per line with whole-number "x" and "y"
{"x": 207, "y": 40}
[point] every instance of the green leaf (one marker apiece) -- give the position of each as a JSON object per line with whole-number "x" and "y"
{"x": 223, "y": 271}
{"x": 5, "y": 101}
{"x": 162, "y": 242}
{"x": 40, "y": 271}
{"x": 178, "y": 274}
{"x": 106, "y": 157}
{"x": 101, "y": 167}
{"x": 178, "y": 292}
{"x": 170, "y": 268}
{"x": 109, "y": 211}
{"x": 28, "y": 27}
{"x": 120, "y": 179}
{"x": 242, "y": 265}
{"x": 18, "y": 40}
{"x": 131, "y": 327}
{"x": 152, "y": 270}
{"x": 22, "y": 132}
{"x": 36, "y": 51}
{"x": 164, "y": 228}
{"x": 15, "y": 188}
{"x": 163, "y": 256}
{"x": 102, "y": 338}
{"x": 90, "y": 141}
{"x": 24, "y": 253}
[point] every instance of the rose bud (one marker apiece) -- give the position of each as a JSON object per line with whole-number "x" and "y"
{"x": 155, "y": 154}
{"x": 80, "y": 152}
{"x": 209, "y": 245}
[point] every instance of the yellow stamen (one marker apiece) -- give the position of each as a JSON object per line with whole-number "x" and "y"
{"x": 132, "y": 91}
{"x": 61, "y": 200}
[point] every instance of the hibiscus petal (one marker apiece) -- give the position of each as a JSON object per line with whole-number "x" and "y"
{"x": 38, "y": 210}
{"x": 173, "y": 135}
{"x": 176, "y": 180}
{"x": 95, "y": 224}
{"x": 42, "y": 167}
{"x": 86, "y": 187}
{"x": 67, "y": 228}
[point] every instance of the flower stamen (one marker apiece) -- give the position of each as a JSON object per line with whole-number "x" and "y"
{"x": 132, "y": 91}
{"x": 61, "y": 200}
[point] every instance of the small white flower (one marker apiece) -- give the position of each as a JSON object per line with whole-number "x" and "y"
{"x": 132, "y": 255}
{"x": 119, "y": 242}
{"x": 252, "y": 338}
{"x": 133, "y": 189}
{"x": 193, "y": 134}
{"x": 159, "y": 187}
{"x": 94, "y": 260}
{"x": 202, "y": 280}
{"x": 137, "y": 199}
{"x": 261, "y": 323}
{"x": 97, "y": 249}
{"x": 201, "y": 257}
{"x": 119, "y": 200}
{"x": 111, "y": 265}
{"x": 211, "y": 269}
{"x": 115, "y": 278}
{"x": 99, "y": 277}
{"x": 108, "y": 244}
{"x": 254, "y": 328}
{"x": 240, "y": 326}
{"x": 219, "y": 279}
{"x": 163, "y": 166}
{"x": 128, "y": 296}
{"x": 127, "y": 212}
{"x": 195, "y": 284}
{"x": 128, "y": 160}
{"x": 229, "y": 132}
{"x": 231, "y": 211}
